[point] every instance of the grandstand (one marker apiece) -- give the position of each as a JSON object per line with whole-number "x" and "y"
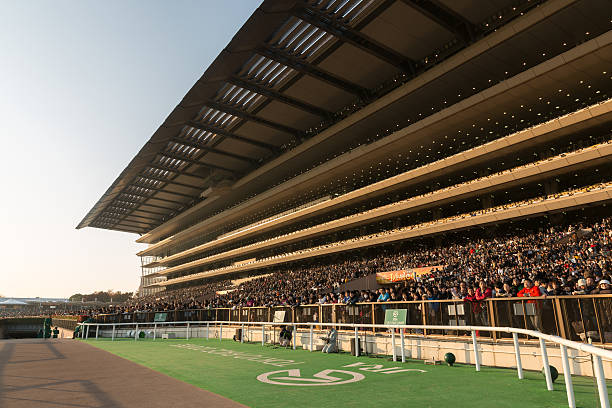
{"x": 318, "y": 132}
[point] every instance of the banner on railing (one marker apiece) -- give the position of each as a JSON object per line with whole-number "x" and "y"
{"x": 385, "y": 278}
{"x": 160, "y": 317}
{"x": 395, "y": 316}
{"x": 279, "y": 316}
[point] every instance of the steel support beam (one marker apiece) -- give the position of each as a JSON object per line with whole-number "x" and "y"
{"x": 347, "y": 34}
{"x": 134, "y": 230}
{"x": 134, "y": 224}
{"x": 447, "y": 18}
{"x": 140, "y": 203}
{"x": 126, "y": 229}
{"x": 116, "y": 203}
{"x": 176, "y": 183}
{"x": 305, "y": 68}
{"x": 278, "y": 96}
{"x": 154, "y": 198}
{"x": 155, "y": 220}
{"x": 121, "y": 223}
{"x": 146, "y": 212}
{"x": 253, "y": 118}
{"x": 198, "y": 163}
{"x": 173, "y": 170}
{"x": 160, "y": 190}
{"x": 126, "y": 216}
{"x": 228, "y": 134}
{"x": 213, "y": 150}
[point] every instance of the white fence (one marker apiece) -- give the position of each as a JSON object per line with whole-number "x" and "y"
{"x": 596, "y": 352}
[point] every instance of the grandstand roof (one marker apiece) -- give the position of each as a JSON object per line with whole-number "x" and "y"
{"x": 291, "y": 71}
{"x": 12, "y": 302}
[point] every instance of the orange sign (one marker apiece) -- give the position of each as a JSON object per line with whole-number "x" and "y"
{"x": 385, "y": 278}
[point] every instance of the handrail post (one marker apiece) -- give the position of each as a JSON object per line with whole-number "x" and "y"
{"x": 393, "y": 344}
{"x": 187, "y": 335}
{"x": 601, "y": 382}
{"x": 356, "y": 342}
{"x": 424, "y": 317}
{"x": 113, "y": 336}
{"x": 220, "y": 331}
{"x": 311, "y": 336}
{"x": 602, "y": 334}
{"x": 373, "y": 316}
{"x": 263, "y": 334}
{"x": 87, "y": 334}
{"x": 549, "y": 382}
{"x": 97, "y": 330}
{"x": 403, "y": 347}
{"x": 207, "y": 330}
{"x": 242, "y": 334}
{"x": 294, "y": 336}
{"x": 517, "y": 353}
{"x": 491, "y": 311}
{"x": 154, "y": 331}
{"x": 567, "y": 374}
{"x": 560, "y": 318}
{"x": 476, "y": 355}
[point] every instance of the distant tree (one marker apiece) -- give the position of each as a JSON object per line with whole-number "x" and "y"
{"x": 102, "y": 296}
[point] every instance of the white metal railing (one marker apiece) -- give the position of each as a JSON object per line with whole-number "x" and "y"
{"x": 596, "y": 352}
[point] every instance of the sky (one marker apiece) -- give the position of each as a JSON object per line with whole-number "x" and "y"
{"x": 83, "y": 85}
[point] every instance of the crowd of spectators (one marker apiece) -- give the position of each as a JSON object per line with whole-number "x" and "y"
{"x": 40, "y": 312}
{"x": 395, "y": 231}
{"x": 17, "y": 313}
{"x": 572, "y": 260}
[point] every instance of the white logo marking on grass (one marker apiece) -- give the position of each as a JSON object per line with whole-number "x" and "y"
{"x": 238, "y": 355}
{"x": 294, "y": 378}
{"x": 379, "y": 368}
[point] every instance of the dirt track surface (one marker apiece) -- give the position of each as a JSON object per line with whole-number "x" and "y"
{"x": 68, "y": 373}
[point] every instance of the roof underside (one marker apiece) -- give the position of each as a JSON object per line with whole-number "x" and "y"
{"x": 292, "y": 70}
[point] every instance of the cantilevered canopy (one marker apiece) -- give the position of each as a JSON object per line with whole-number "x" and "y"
{"x": 289, "y": 72}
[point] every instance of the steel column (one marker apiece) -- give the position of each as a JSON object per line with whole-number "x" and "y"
{"x": 517, "y": 353}
{"x": 601, "y": 382}
{"x": 476, "y": 355}
{"x": 549, "y": 382}
{"x": 403, "y": 347}
{"x": 567, "y": 374}
{"x": 393, "y": 344}
{"x": 311, "y": 335}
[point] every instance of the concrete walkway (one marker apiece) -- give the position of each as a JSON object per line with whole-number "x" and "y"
{"x": 68, "y": 373}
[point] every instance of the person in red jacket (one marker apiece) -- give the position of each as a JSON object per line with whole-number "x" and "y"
{"x": 529, "y": 290}
{"x": 533, "y": 308}
{"x": 471, "y": 298}
{"x": 483, "y": 292}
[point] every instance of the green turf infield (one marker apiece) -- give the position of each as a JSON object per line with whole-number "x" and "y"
{"x": 232, "y": 369}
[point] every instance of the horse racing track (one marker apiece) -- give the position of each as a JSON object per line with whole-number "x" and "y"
{"x": 259, "y": 376}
